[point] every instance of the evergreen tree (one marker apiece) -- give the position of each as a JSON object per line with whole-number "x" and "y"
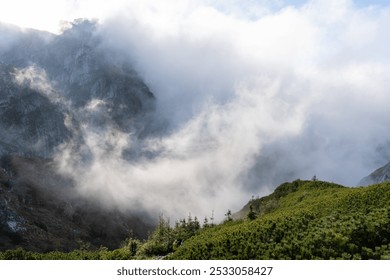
{"x": 205, "y": 222}
{"x": 251, "y": 214}
{"x": 229, "y": 216}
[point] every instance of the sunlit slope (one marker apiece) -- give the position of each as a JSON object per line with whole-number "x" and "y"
{"x": 302, "y": 220}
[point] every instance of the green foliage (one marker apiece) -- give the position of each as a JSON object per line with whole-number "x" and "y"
{"x": 102, "y": 254}
{"x": 166, "y": 239}
{"x": 312, "y": 220}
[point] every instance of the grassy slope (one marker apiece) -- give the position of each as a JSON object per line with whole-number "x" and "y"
{"x": 303, "y": 220}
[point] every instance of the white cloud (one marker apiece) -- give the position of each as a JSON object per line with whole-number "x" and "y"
{"x": 37, "y": 79}
{"x": 253, "y": 94}
{"x": 325, "y": 60}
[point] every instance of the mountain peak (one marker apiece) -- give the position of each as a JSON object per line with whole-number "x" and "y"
{"x": 380, "y": 175}
{"x": 44, "y": 82}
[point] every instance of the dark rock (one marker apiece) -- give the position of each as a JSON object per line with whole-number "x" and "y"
{"x": 48, "y": 215}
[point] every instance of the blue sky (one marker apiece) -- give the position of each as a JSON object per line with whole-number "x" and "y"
{"x": 371, "y": 2}
{"x": 360, "y": 3}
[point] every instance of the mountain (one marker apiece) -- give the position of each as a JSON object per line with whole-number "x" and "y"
{"x": 54, "y": 88}
{"x": 50, "y": 85}
{"x": 380, "y": 175}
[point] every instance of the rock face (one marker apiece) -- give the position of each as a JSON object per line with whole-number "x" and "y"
{"x": 51, "y": 86}
{"x": 46, "y": 214}
{"x": 378, "y": 176}
{"x": 30, "y": 123}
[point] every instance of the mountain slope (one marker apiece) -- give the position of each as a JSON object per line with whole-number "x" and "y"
{"x": 307, "y": 220}
{"x": 303, "y": 220}
{"x": 380, "y": 175}
{"x": 56, "y": 90}
{"x": 43, "y": 213}
{"x": 51, "y": 85}
{"x": 29, "y": 121}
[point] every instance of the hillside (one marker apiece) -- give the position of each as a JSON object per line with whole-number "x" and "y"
{"x": 299, "y": 220}
{"x": 302, "y": 220}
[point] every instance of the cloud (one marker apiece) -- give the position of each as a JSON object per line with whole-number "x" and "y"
{"x": 251, "y": 94}
{"x": 36, "y": 78}
{"x": 325, "y": 59}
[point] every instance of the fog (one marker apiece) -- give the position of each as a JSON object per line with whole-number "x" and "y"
{"x": 249, "y": 94}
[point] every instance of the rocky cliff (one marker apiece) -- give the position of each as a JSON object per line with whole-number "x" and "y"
{"x": 52, "y": 86}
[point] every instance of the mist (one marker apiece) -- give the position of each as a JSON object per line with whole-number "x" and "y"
{"x": 247, "y": 103}
{"x": 249, "y": 94}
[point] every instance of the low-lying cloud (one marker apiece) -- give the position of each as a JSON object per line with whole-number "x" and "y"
{"x": 250, "y": 96}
